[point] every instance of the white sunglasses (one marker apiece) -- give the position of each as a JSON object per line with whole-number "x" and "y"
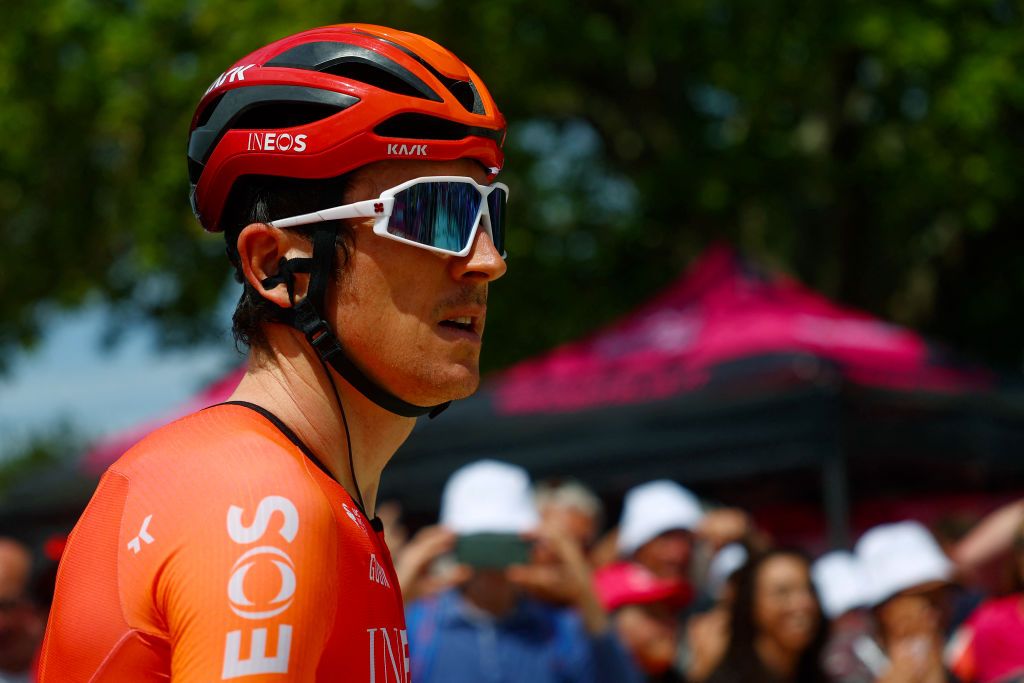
{"x": 437, "y": 213}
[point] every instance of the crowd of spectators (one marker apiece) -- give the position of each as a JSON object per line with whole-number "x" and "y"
{"x": 517, "y": 583}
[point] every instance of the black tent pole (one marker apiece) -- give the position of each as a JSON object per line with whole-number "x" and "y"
{"x": 835, "y": 480}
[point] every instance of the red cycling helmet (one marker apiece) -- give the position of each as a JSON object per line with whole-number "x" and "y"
{"x": 329, "y": 100}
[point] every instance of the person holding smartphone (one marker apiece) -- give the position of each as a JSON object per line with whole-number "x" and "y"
{"x": 496, "y": 625}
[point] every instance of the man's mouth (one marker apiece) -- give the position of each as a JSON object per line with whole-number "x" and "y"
{"x": 463, "y": 322}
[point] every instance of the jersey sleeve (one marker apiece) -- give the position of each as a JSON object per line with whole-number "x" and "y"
{"x": 244, "y": 580}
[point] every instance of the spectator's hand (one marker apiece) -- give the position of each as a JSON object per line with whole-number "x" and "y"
{"x": 914, "y": 640}
{"x": 990, "y": 540}
{"x": 708, "y": 636}
{"x": 565, "y": 580}
{"x": 724, "y": 526}
{"x": 605, "y": 550}
{"x": 415, "y": 558}
{"x": 913, "y": 660}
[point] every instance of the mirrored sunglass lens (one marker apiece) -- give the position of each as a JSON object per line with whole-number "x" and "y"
{"x": 496, "y": 201}
{"x": 438, "y": 214}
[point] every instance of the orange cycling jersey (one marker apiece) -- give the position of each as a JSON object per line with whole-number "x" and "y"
{"x": 216, "y": 549}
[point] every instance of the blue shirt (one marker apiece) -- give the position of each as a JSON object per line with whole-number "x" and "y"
{"x": 450, "y": 641}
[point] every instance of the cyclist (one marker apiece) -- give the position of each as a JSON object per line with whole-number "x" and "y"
{"x": 350, "y": 170}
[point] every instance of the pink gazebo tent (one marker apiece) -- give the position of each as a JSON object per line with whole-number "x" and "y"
{"x": 724, "y": 311}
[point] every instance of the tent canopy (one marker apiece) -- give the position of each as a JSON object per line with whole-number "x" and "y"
{"x": 725, "y": 311}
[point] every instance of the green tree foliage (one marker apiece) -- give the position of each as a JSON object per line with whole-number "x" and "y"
{"x": 38, "y": 453}
{"x": 871, "y": 147}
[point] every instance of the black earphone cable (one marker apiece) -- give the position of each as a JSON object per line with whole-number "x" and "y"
{"x": 348, "y": 438}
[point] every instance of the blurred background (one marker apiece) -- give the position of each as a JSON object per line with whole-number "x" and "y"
{"x": 768, "y": 250}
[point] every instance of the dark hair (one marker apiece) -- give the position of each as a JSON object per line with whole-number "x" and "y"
{"x": 261, "y": 199}
{"x": 741, "y": 661}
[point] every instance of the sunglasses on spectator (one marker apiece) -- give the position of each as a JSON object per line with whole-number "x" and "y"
{"x": 437, "y": 213}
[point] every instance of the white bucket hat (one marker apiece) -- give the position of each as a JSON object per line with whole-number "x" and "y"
{"x": 651, "y": 509}
{"x": 488, "y": 496}
{"x": 901, "y": 556}
{"x": 841, "y": 582}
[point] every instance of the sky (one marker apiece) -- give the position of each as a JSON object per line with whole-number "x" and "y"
{"x": 71, "y": 377}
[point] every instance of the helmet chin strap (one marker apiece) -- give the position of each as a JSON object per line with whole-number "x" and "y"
{"x": 306, "y": 316}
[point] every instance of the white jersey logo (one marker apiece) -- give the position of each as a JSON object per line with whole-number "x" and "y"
{"x": 260, "y": 661}
{"x": 377, "y": 572}
{"x": 389, "y": 662}
{"x": 355, "y": 516}
{"x": 134, "y": 545}
{"x": 242, "y": 605}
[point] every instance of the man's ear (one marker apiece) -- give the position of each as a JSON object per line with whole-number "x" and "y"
{"x": 260, "y": 249}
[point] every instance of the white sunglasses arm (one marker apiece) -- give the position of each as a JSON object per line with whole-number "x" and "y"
{"x": 371, "y": 208}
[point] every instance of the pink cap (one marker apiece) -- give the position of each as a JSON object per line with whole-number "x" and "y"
{"x": 628, "y": 583}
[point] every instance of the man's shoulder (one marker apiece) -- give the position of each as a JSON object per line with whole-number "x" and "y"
{"x": 227, "y": 454}
{"x": 221, "y": 437}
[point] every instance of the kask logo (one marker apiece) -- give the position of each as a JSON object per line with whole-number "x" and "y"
{"x": 233, "y": 74}
{"x": 407, "y": 150}
{"x": 277, "y": 142}
{"x": 265, "y": 560}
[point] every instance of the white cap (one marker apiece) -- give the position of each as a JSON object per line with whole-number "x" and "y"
{"x": 488, "y": 496}
{"x": 725, "y": 562}
{"x": 841, "y": 582}
{"x": 900, "y": 556}
{"x": 651, "y": 509}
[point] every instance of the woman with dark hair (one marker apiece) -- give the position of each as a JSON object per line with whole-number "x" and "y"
{"x": 777, "y": 629}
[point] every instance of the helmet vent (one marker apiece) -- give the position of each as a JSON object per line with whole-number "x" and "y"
{"x": 284, "y": 115}
{"x": 204, "y": 117}
{"x": 373, "y": 75}
{"x": 464, "y": 92}
{"x": 412, "y": 126}
{"x": 262, "y": 106}
{"x": 356, "y": 63}
{"x": 195, "y": 169}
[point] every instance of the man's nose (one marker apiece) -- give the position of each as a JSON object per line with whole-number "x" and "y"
{"x": 483, "y": 262}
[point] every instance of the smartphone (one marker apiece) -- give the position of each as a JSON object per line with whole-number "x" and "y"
{"x": 492, "y": 551}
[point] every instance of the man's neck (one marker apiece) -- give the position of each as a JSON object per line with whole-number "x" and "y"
{"x": 292, "y": 385}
